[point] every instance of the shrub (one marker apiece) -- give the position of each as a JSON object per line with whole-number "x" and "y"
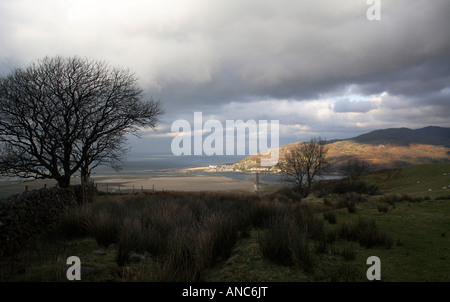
{"x": 334, "y": 250}
{"x": 390, "y": 199}
{"x": 151, "y": 241}
{"x": 330, "y": 217}
{"x": 348, "y": 231}
{"x": 23, "y": 216}
{"x": 204, "y": 249}
{"x": 347, "y": 200}
{"x": 105, "y": 228}
{"x": 286, "y": 241}
{"x": 287, "y": 194}
{"x": 330, "y": 236}
{"x": 262, "y": 213}
{"x": 348, "y": 252}
{"x": 223, "y": 230}
{"x": 178, "y": 262}
{"x": 129, "y": 241}
{"x": 356, "y": 198}
{"x": 366, "y": 233}
{"x": 324, "y": 187}
{"x": 351, "y": 207}
{"x": 406, "y": 197}
{"x": 74, "y": 224}
{"x": 327, "y": 239}
{"x": 443, "y": 197}
{"x": 369, "y": 235}
{"x": 307, "y": 222}
{"x": 329, "y": 200}
{"x": 382, "y": 208}
{"x": 301, "y": 254}
{"x": 159, "y": 218}
{"x": 322, "y": 247}
{"x": 275, "y": 242}
{"x": 360, "y": 187}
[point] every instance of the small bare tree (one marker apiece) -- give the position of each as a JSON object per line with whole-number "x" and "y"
{"x": 354, "y": 169}
{"x": 63, "y": 115}
{"x": 303, "y": 164}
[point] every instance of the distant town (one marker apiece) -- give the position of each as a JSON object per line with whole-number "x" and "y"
{"x": 235, "y": 168}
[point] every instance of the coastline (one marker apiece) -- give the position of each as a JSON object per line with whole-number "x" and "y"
{"x": 202, "y": 178}
{"x": 173, "y": 183}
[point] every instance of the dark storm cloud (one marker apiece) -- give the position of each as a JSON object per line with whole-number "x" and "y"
{"x": 266, "y": 56}
{"x": 222, "y": 51}
{"x": 416, "y": 80}
{"x": 302, "y": 52}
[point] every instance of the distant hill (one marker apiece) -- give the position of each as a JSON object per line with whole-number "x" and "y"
{"x": 381, "y": 149}
{"x": 430, "y": 135}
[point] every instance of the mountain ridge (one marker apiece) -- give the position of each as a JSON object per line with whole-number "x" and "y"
{"x": 381, "y": 149}
{"x": 430, "y": 135}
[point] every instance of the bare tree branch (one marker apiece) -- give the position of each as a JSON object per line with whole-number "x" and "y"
{"x": 63, "y": 115}
{"x": 354, "y": 169}
{"x": 303, "y": 164}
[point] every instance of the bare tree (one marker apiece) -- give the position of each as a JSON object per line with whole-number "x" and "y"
{"x": 63, "y": 115}
{"x": 354, "y": 169}
{"x": 303, "y": 164}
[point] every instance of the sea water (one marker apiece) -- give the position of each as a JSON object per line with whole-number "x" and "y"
{"x": 169, "y": 165}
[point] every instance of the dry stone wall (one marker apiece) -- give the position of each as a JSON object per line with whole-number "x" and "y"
{"x": 25, "y": 215}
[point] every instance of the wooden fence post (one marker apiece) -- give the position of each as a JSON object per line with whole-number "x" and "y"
{"x": 83, "y": 192}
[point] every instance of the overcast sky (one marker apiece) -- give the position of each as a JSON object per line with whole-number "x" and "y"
{"x": 320, "y": 67}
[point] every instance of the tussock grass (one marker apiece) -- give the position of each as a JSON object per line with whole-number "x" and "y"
{"x": 288, "y": 238}
{"x": 391, "y": 199}
{"x": 382, "y": 208}
{"x": 178, "y": 262}
{"x": 105, "y": 228}
{"x": 348, "y": 252}
{"x": 275, "y": 243}
{"x": 344, "y": 186}
{"x": 443, "y": 197}
{"x": 183, "y": 236}
{"x": 74, "y": 224}
{"x": 365, "y": 232}
{"x": 185, "y": 233}
{"x": 330, "y": 217}
{"x": 347, "y": 200}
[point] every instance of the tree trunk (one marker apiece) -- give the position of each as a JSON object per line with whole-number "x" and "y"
{"x": 85, "y": 175}
{"x": 63, "y": 181}
{"x": 84, "y": 184}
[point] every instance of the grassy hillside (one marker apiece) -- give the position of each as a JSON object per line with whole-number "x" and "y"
{"x": 381, "y": 149}
{"x": 226, "y": 237}
{"x": 431, "y": 180}
{"x": 377, "y": 156}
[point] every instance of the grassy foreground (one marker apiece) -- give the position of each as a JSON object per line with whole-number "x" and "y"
{"x": 229, "y": 237}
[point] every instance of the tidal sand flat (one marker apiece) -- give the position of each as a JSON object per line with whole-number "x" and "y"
{"x": 175, "y": 183}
